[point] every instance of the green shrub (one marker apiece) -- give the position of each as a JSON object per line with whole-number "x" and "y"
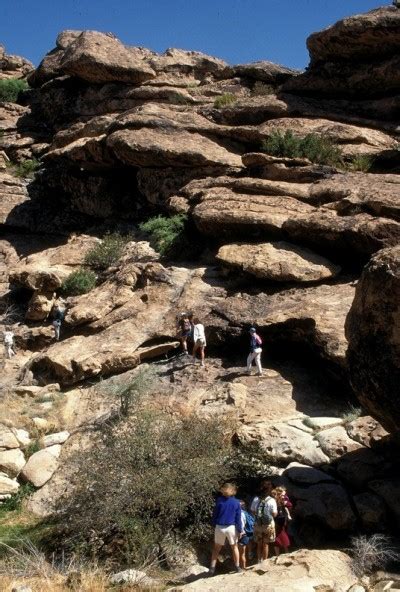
{"x": 79, "y": 282}
{"x": 318, "y": 149}
{"x": 361, "y": 162}
{"x": 26, "y": 168}
{"x": 165, "y": 233}
{"x": 10, "y": 89}
{"x": 224, "y": 100}
{"x": 106, "y": 253}
{"x": 33, "y": 447}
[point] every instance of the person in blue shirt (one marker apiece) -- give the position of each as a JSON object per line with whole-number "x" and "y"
{"x": 227, "y": 519}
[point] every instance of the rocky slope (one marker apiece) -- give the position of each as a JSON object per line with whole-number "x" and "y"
{"x": 123, "y": 133}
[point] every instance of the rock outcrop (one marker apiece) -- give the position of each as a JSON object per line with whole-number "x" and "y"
{"x": 373, "y": 331}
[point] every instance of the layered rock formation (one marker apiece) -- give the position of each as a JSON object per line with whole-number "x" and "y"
{"x": 123, "y": 133}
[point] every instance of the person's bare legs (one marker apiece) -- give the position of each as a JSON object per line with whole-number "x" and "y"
{"x": 202, "y": 355}
{"x": 184, "y": 344}
{"x": 259, "y": 550}
{"x": 264, "y": 549}
{"x": 242, "y": 556}
{"x": 195, "y": 349}
{"x": 277, "y": 550}
{"x": 214, "y": 556}
{"x": 235, "y": 554}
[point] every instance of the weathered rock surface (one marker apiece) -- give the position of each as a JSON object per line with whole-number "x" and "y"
{"x": 12, "y": 461}
{"x": 281, "y": 262}
{"x": 284, "y": 443}
{"x": 8, "y": 486}
{"x": 12, "y": 66}
{"x": 41, "y": 466}
{"x": 373, "y": 331}
{"x": 335, "y": 442}
{"x": 302, "y": 571}
{"x": 341, "y": 57}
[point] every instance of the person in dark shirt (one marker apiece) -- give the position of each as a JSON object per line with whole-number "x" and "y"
{"x": 227, "y": 519}
{"x": 255, "y": 351}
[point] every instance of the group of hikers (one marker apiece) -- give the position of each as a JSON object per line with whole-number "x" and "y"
{"x": 191, "y": 331}
{"x": 251, "y": 530}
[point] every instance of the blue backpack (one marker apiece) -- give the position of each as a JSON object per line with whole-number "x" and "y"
{"x": 249, "y": 526}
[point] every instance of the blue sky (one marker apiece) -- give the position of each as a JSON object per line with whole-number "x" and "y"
{"x": 238, "y": 31}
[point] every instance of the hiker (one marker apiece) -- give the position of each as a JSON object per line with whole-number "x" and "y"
{"x": 264, "y": 509}
{"x": 246, "y": 540}
{"x": 185, "y": 330}
{"x": 255, "y": 351}
{"x": 9, "y": 343}
{"x": 58, "y": 317}
{"x": 227, "y": 519}
{"x": 282, "y": 540}
{"x": 199, "y": 339}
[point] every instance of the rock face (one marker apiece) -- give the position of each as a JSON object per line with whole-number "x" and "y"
{"x": 373, "y": 331}
{"x": 122, "y": 134}
{"x": 302, "y": 571}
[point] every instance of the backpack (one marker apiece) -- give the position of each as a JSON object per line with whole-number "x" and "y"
{"x": 249, "y": 526}
{"x": 263, "y": 514}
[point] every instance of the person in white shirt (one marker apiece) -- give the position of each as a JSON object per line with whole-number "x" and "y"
{"x": 9, "y": 343}
{"x": 199, "y": 338}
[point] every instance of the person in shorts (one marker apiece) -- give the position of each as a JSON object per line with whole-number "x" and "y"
{"x": 227, "y": 519}
{"x": 265, "y": 510}
{"x": 199, "y": 338}
{"x": 245, "y": 541}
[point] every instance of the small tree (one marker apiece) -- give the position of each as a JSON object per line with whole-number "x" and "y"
{"x": 27, "y": 168}
{"x": 79, "y": 282}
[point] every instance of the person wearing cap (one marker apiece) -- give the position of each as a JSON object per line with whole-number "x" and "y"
{"x": 255, "y": 352}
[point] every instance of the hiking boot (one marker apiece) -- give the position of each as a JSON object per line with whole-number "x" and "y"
{"x": 211, "y": 572}
{"x": 238, "y": 569}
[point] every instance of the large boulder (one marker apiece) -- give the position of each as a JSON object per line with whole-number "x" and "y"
{"x": 41, "y": 465}
{"x": 280, "y": 262}
{"x": 101, "y": 57}
{"x": 373, "y": 331}
{"x": 12, "y": 461}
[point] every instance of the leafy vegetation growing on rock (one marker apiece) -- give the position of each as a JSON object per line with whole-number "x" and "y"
{"x": 10, "y": 89}
{"x": 262, "y": 89}
{"x": 361, "y": 162}
{"x": 164, "y": 233}
{"x": 79, "y": 282}
{"x": 27, "y": 168}
{"x": 106, "y": 253}
{"x": 224, "y": 100}
{"x": 318, "y": 149}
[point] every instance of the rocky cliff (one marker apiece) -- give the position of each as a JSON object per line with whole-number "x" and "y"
{"x": 277, "y": 241}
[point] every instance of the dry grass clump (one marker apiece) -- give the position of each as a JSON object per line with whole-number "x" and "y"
{"x": 371, "y": 553}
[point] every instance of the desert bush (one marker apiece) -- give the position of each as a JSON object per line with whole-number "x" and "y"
{"x": 26, "y": 168}
{"x": 10, "y": 89}
{"x": 361, "y": 162}
{"x": 148, "y": 477}
{"x": 106, "y": 253}
{"x": 224, "y": 100}
{"x": 318, "y": 149}
{"x": 370, "y": 553}
{"x": 79, "y": 282}
{"x": 165, "y": 233}
{"x": 262, "y": 89}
